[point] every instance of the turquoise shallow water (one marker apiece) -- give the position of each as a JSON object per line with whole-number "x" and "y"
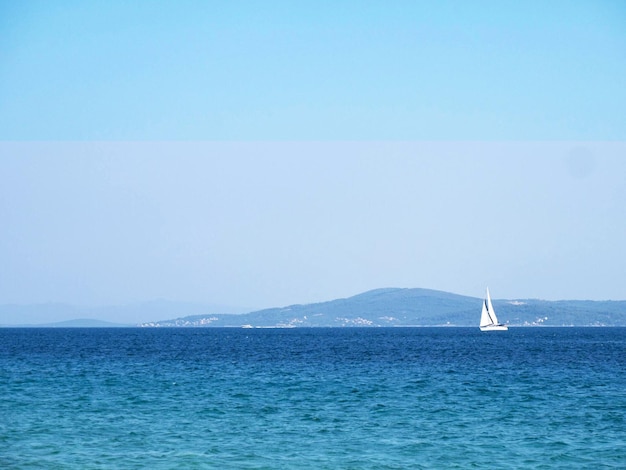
{"x": 313, "y": 398}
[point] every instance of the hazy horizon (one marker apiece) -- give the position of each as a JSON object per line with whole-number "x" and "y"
{"x": 162, "y": 310}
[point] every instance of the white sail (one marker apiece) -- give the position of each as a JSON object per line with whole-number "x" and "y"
{"x": 490, "y": 310}
{"x": 484, "y": 316}
{"x": 488, "y": 319}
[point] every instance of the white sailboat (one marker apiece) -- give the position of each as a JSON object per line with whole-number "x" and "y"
{"x": 488, "y": 319}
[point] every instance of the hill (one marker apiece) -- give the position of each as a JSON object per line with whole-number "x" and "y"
{"x": 415, "y": 307}
{"x": 58, "y": 314}
{"x": 83, "y": 323}
{"x": 380, "y": 307}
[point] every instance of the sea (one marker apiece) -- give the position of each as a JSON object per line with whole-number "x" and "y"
{"x": 312, "y": 398}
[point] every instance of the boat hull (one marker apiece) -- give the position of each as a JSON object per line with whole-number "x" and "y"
{"x": 494, "y": 328}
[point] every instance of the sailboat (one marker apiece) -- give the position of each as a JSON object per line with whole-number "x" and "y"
{"x": 488, "y": 319}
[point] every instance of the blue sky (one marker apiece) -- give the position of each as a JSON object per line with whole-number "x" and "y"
{"x": 260, "y": 154}
{"x": 350, "y": 70}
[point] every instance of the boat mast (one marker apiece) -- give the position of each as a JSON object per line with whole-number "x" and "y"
{"x": 490, "y": 311}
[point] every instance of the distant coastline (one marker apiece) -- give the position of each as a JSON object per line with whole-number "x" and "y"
{"x": 388, "y": 307}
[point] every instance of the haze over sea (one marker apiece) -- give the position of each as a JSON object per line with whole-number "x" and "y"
{"x": 361, "y": 398}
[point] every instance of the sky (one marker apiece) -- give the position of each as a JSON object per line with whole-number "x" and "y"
{"x": 312, "y": 70}
{"x": 260, "y": 154}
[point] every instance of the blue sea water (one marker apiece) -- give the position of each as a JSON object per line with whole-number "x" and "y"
{"x": 357, "y": 398}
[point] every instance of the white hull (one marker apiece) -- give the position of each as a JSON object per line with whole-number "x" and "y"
{"x": 494, "y": 328}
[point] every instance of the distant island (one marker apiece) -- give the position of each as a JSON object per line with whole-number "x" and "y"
{"x": 414, "y": 307}
{"x": 376, "y": 308}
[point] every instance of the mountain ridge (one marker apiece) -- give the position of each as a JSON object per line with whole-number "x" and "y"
{"x": 387, "y": 306}
{"x": 54, "y": 313}
{"x": 415, "y": 307}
